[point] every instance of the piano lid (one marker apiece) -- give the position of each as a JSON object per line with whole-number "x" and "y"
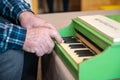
{"x": 100, "y": 30}
{"x": 104, "y": 25}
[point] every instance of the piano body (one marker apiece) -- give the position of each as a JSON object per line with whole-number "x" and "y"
{"x": 100, "y": 57}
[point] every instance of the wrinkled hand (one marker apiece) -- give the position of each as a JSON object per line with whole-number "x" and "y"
{"x": 39, "y": 40}
{"x": 39, "y": 34}
{"x": 29, "y": 20}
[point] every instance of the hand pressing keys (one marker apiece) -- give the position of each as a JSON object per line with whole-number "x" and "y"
{"x": 39, "y": 40}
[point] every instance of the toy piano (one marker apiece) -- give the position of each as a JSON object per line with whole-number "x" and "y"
{"x": 91, "y": 47}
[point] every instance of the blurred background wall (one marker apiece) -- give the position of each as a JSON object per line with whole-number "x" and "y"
{"x": 40, "y": 6}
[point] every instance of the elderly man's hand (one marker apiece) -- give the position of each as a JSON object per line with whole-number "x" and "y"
{"x": 39, "y": 40}
{"x": 29, "y": 20}
{"x": 39, "y": 34}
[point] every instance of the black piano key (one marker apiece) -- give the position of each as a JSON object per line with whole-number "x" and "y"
{"x": 83, "y": 53}
{"x": 73, "y": 46}
{"x": 70, "y": 39}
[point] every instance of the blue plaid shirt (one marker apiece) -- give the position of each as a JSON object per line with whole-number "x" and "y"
{"x": 12, "y": 36}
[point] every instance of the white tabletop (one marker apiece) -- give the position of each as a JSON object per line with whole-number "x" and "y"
{"x": 60, "y": 20}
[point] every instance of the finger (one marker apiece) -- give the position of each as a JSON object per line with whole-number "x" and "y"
{"x": 39, "y": 52}
{"x": 28, "y": 49}
{"x": 49, "y": 26}
{"x": 47, "y": 43}
{"x": 54, "y": 34}
{"x": 32, "y": 51}
{"x": 50, "y": 44}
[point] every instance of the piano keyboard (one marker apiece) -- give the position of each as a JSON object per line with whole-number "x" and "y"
{"x": 76, "y": 49}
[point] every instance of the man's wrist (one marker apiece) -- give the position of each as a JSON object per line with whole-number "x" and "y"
{"x": 25, "y": 16}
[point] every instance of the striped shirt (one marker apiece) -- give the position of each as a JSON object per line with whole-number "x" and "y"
{"x": 12, "y": 36}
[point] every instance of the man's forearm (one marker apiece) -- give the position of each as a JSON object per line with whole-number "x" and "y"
{"x": 11, "y": 37}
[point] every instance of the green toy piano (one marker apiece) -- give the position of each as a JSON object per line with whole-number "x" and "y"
{"x": 91, "y": 47}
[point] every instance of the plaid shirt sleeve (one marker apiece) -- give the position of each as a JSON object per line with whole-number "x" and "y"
{"x": 11, "y": 9}
{"x": 12, "y": 36}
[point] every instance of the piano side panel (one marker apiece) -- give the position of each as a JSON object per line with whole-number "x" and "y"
{"x": 69, "y": 63}
{"x": 105, "y": 66}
